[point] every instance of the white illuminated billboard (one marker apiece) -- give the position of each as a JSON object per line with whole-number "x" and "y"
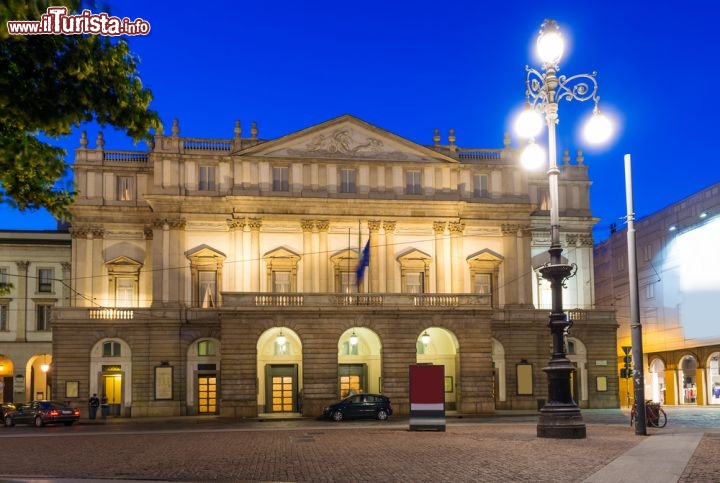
{"x": 694, "y": 271}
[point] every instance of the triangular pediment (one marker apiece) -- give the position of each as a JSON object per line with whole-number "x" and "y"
{"x": 346, "y": 138}
{"x": 205, "y": 253}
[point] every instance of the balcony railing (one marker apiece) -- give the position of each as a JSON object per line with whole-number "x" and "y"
{"x": 244, "y": 299}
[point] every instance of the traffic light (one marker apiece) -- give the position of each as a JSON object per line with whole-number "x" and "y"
{"x": 626, "y": 371}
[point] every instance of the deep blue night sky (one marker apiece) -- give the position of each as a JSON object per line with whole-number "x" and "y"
{"x": 409, "y": 67}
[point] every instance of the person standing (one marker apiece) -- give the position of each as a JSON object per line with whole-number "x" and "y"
{"x": 93, "y": 405}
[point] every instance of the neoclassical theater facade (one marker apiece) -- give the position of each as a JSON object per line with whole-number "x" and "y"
{"x": 246, "y": 276}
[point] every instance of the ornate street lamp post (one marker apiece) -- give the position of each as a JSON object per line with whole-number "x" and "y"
{"x": 560, "y": 417}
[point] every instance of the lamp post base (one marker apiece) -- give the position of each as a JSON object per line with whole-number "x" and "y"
{"x": 561, "y": 422}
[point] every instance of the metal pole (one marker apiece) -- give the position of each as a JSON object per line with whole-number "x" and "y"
{"x": 635, "y": 326}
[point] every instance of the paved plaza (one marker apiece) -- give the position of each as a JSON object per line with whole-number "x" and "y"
{"x": 496, "y": 449}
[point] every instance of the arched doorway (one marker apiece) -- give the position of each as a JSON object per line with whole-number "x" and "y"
{"x": 499, "y": 383}
{"x": 39, "y": 368}
{"x": 687, "y": 380}
{"x": 577, "y": 354}
{"x": 713, "y": 378}
{"x": 279, "y": 369}
{"x": 203, "y": 383}
{"x": 657, "y": 381}
{"x": 6, "y": 379}
{"x": 439, "y": 346}
{"x": 359, "y": 362}
{"x": 111, "y": 376}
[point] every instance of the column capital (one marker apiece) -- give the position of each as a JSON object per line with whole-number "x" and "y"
{"x": 439, "y": 227}
{"x": 148, "y": 232}
{"x": 22, "y": 265}
{"x": 254, "y": 223}
{"x": 456, "y": 227}
{"x": 509, "y": 229}
{"x": 373, "y": 225}
{"x": 235, "y": 223}
{"x": 66, "y": 266}
{"x": 322, "y": 225}
{"x": 389, "y": 226}
{"x": 78, "y": 231}
{"x": 307, "y": 225}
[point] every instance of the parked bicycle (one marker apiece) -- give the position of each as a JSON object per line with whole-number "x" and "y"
{"x": 654, "y": 415}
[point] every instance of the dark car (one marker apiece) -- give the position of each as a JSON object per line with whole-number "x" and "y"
{"x": 359, "y": 406}
{"x": 41, "y": 413}
{"x": 6, "y": 408}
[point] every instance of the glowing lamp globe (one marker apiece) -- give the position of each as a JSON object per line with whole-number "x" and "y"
{"x": 598, "y": 129}
{"x": 532, "y": 156}
{"x": 550, "y": 45}
{"x": 529, "y": 123}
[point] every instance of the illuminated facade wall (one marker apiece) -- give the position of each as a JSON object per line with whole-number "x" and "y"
{"x": 37, "y": 265}
{"x": 233, "y": 243}
{"x": 679, "y": 285}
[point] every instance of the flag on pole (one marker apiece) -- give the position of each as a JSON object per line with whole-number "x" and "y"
{"x": 363, "y": 262}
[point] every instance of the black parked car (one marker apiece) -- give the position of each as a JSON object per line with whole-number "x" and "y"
{"x": 6, "y": 408}
{"x": 370, "y": 406}
{"x": 41, "y": 413}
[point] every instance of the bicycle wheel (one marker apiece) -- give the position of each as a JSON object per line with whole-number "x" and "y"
{"x": 662, "y": 418}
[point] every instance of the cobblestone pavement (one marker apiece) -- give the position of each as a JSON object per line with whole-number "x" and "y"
{"x": 492, "y": 450}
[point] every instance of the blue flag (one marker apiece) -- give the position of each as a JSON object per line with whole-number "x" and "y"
{"x": 363, "y": 262}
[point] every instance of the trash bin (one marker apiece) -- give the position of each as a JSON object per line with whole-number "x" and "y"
{"x": 105, "y": 408}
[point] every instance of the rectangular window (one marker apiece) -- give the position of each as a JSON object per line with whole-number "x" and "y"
{"x": 45, "y": 276}
{"x": 206, "y": 178}
{"x": 3, "y": 275}
{"x": 543, "y": 201}
{"x": 414, "y": 282}
{"x": 281, "y": 179}
{"x": 347, "y": 181}
{"x": 281, "y": 282}
{"x": 125, "y": 293}
{"x": 4, "y": 325}
{"x": 348, "y": 282}
{"x": 42, "y": 321}
{"x": 480, "y": 186}
{"x": 208, "y": 288}
{"x": 412, "y": 182}
{"x": 482, "y": 284}
{"x": 650, "y": 291}
{"x": 647, "y": 253}
{"x": 125, "y": 188}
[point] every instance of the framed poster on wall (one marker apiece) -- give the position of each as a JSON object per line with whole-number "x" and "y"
{"x": 163, "y": 382}
{"x": 72, "y": 388}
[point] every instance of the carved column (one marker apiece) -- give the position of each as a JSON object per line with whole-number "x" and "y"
{"x": 236, "y": 227}
{"x": 440, "y": 257}
{"x": 323, "y": 226}
{"x": 178, "y": 276}
{"x": 99, "y": 284}
{"x": 524, "y": 279}
{"x": 389, "y": 277}
{"x": 374, "y": 227}
{"x": 80, "y": 275}
{"x": 457, "y": 267}
{"x": 161, "y": 262}
{"x": 65, "y": 289}
{"x": 255, "y": 224}
{"x": 147, "y": 272}
{"x": 510, "y": 264}
{"x": 24, "y": 306}
{"x": 307, "y": 266}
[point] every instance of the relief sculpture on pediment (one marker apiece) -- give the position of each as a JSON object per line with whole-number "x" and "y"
{"x": 345, "y": 142}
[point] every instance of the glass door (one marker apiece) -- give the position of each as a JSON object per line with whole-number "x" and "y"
{"x": 207, "y": 394}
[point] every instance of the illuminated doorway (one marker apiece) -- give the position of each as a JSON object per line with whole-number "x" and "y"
{"x": 352, "y": 379}
{"x": 281, "y": 384}
{"x": 111, "y": 393}
{"x": 207, "y": 393}
{"x": 440, "y": 347}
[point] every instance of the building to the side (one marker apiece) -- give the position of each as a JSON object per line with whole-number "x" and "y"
{"x": 678, "y": 267}
{"x": 245, "y": 276}
{"x": 35, "y": 265}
